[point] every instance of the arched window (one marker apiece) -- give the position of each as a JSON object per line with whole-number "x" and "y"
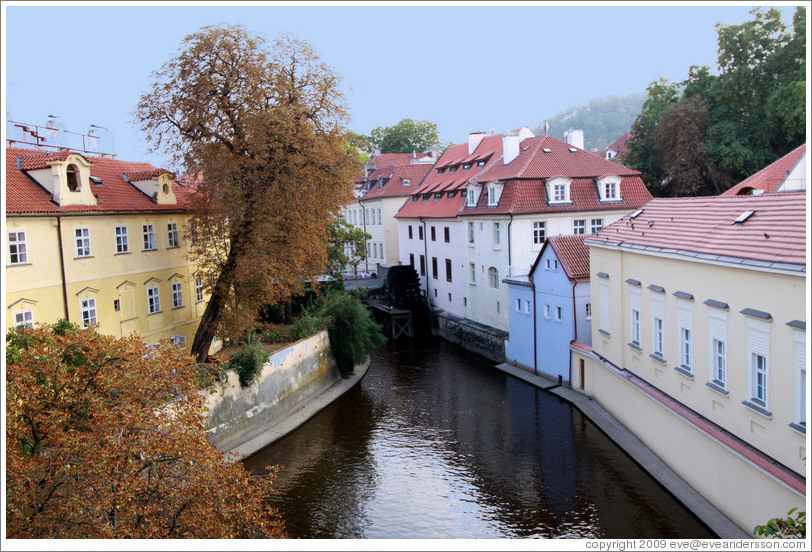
{"x": 73, "y": 178}
{"x": 493, "y": 278}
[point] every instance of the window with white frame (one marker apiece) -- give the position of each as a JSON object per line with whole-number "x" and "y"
{"x": 758, "y": 347}
{"x": 24, "y": 319}
{"x": 800, "y": 370}
{"x": 634, "y": 314}
{"x": 717, "y": 330}
{"x": 88, "y": 309}
{"x": 588, "y": 309}
{"x": 579, "y": 226}
{"x": 526, "y": 306}
{"x": 493, "y": 278}
{"x": 610, "y": 190}
{"x": 82, "y": 241}
{"x": 149, "y": 237}
{"x": 410, "y": 232}
{"x": 178, "y": 341}
{"x": 177, "y": 295}
{"x": 546, "y": 311}
{"x": 497, "y": 236}
{"x": 658, "y": 324}
{"x": 559, "y": 193}
{"x": 198, "y": 289}
{"x": 685, "y": 318}
{"x": 603, "y": 289}
{"x": 491, "y": 196}
{"x": 153, "y": 300}
{"x": 558, "y": 314}
{"x": 539, "y": 232}
{"x": 471, "y": 198}
{"x": 17, "y": 248}
{"x": 518, "y": 305}
{"x": 470, "y": 232}
{"x": 596, "y": 226}
{"x": 472, "y": 273}
{"x": 122, "y": 245}
{"x": 172, "y": 237}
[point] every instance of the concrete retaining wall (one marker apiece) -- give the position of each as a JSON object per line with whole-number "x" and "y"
{"x": 289, "y": 378}
{"x": 478, "y": 338}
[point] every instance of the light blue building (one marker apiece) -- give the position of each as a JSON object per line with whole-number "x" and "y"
{"x": 550, "y": 308}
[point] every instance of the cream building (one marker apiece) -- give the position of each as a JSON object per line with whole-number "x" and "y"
{"x": 100, "y": 242}
{"x": 699, "y": 344}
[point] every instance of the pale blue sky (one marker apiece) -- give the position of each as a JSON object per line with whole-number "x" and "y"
{"x": 462, "y": 66}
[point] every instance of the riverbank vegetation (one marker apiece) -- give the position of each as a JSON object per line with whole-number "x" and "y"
{"x": 105, "y": 438}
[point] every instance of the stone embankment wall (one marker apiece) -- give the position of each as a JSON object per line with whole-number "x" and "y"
{"x": 290, "y": 377}
{"x": 478, "y": 338}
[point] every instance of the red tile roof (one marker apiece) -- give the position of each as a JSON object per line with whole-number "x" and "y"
{"x": 619, "y": 145}
{"x": 770, "y": 177}
{"x": 114, "y": 194}
{"x": 394, "y": 186}
{"x": 490, "y": 147}
{"x": 573, "y": 254}
{"x": 704, "y": 228}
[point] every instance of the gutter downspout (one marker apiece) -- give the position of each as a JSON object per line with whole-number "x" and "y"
{"x": 364, "y": 221}
{"x": 510, "y": 261}
{"x": 535, "y": 326}
{"x": 62, "y": 266}
{"x": 574, "y": 325}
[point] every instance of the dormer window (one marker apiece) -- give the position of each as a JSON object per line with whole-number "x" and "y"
{"x": 491, "y": 197}
{"x": 466, "y": 166}
{"x": 440, "y": 171}
{"x": 407, "y": 182}
{"x": 609, "y": 188}
{"x": 452, "y": 170}
{"x": 558, "y": 190}
{"x": 494, "y": 193}
{"x": 471, "y": 198}
{"x": 480, "y": 163}
{"x": 73, "y": 178}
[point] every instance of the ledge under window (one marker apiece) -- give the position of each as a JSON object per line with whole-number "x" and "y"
{"x": 718, "y": 387}
{"x": 123, "y": 252}
{"x": 156, "y": 312}
{"x": 604, "y": 332}
{"x": 684, "y": 371}
{"x": 635, "y": 346}
{"x": 758, "y": 408}
{"x": 800, "y": 428}
{"x": 658, "y": 358}
{"x": 21, "y": 264}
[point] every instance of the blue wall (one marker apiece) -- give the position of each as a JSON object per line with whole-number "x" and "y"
{"x": 519, "y": 345}
{"x": 555, "y": 329}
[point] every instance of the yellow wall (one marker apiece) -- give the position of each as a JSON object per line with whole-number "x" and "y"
{"x": 746, "y": 494}
{"x": 106, "y": 276}
{"x": 783, "y": 296}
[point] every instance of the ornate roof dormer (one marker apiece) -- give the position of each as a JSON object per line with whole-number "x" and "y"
{"x": 65, "y": 175}
{"x": 157, "y": 185}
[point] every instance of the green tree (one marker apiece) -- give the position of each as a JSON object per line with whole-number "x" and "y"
{"x": 347, "y": 245}
{"x": 353, "y": 332}
{"x": 644, "y": 151}
{"x": 791, "y": 527}
{"x": 106, "y": 438}
{"x": 267, "y": 127}
{"x": 407, "y": 136}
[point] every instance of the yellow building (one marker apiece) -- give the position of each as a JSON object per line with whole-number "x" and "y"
{"x": 101, "y": 242}
{"x": 699, "y": 344}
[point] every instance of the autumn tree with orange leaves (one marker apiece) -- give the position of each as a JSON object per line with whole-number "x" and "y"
{"x": 105, "y": 438}
{"x": 265, "y": 130}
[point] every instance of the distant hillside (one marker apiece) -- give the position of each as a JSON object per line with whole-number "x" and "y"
{"x": 603, "y": 120}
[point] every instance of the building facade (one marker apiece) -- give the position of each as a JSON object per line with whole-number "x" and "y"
{"x": 699, "y": 343}
{"x": 99, "y": 242}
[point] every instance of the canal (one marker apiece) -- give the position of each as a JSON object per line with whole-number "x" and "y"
{"x": 436, "y": 443}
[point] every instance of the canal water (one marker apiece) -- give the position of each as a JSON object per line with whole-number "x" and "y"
{"x": 436, "y": 443}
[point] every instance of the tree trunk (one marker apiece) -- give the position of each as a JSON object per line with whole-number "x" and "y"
{"x": 214, "y": 309}
{"x": 288, "y": 313}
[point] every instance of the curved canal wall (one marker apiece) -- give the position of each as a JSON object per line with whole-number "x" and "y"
{"x": 293, "y": 385}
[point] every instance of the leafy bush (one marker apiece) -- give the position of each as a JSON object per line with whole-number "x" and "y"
{"x": 249, "y": 360}
{"x": 784, "y": 528}
{"x": 353, "y": 332}
{"x": 309, "y": 323}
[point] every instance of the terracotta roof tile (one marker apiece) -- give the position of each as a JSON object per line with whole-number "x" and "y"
{"x": 114, "y": 194}
{"x": 770, "y": 177}
{"x": 573, "y": 254}
{"x": 395, "y": 187}
{"x": 774, "y": 233}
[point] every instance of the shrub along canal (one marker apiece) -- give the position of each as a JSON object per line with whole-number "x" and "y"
{"x": 436, "y": 443}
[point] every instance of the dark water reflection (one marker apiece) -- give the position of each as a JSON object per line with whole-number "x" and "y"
{"x": 436, "y": 443}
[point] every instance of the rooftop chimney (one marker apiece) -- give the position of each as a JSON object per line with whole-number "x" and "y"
{"x": 510, "y": 146}
{"x": 575, "y": 138}
{"x": 474, "y": 138}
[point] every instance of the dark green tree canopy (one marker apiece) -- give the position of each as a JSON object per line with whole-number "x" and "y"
{"x": 407, "y": 136}
{"x": 756, "y": 110}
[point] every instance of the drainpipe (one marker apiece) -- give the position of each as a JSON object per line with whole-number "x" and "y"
{"x": 535, "y": 327}
{"x": 62, "y": 266}
{"x": 510, "y": 262}
{"x": 574, "y": 324}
